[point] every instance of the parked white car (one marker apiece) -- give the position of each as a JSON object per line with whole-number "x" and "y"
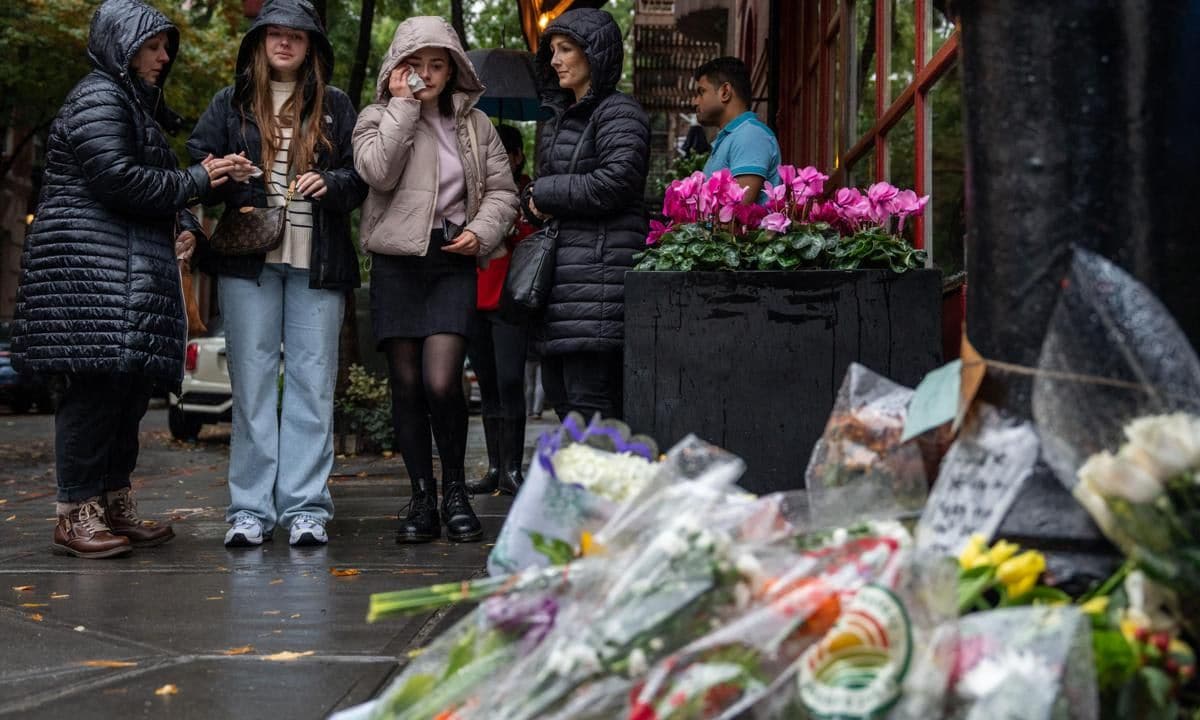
{"x": 205, "y": 396}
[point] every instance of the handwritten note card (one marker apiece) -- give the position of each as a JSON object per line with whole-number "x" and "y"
{"x": 978, "y": 482}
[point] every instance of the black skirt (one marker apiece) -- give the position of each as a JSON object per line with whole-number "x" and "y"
{"x": 415, "y": 296}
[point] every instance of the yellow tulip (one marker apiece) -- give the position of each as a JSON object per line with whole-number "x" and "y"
{"x": 588, "y": 545}
{"x": 975, "y": 554}
{"x": 1019, "y": 574}
{"x": 1095, "y": 606}
{"x": 1001, "y": 551}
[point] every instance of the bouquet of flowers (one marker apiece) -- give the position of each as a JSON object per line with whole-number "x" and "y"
{"x": 579, "y": 475}
{"x": 1146, "y": 498}
{"x": 797, "y": 226}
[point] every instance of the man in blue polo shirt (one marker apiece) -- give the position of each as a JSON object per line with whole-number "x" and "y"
{"x": 744, "y": 145}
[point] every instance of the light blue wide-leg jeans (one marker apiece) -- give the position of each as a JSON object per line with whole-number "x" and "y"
{"x": 281, "y": 456}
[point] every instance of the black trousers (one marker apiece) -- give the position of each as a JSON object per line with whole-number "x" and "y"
{"x": 585, "y": 382}
{"x": 497, "y": 350}
{"x": 96, "y": 433}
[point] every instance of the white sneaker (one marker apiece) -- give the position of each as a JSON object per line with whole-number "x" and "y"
{"x": 247, "y": 531}
{"x": 307, "y": 530}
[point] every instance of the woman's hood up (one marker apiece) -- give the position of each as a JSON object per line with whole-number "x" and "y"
{"x": 427, "y": 31}
{"x": 120, "y": 28}
{"x": 295, "y": 14}
{"x": 600, "y": 37}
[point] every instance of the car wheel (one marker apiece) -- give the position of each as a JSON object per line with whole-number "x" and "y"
{"x": 21, "y": 402}
{"x": 182, "y": 425}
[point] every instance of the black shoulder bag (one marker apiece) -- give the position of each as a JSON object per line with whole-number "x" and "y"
{"x": 531, "y": 267}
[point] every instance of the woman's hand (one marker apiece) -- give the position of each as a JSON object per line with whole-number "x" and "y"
{"x": 185, "y": 245}
{"x": 398, "y": 81}
{"x": 311, "y": 184}
{"x": 536, "y": 213}
{"x": 467, "y": 243}
{"x": 240, "y": 167}
{"x": 217, "y": 169}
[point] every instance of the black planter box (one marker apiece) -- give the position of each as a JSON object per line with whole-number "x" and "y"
{"x": 752, "y": 361}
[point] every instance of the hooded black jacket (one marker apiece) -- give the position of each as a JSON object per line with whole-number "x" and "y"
{"x": 100, "y": 290}
{"x": 228, "y": 126}
{"x": 599, "y": 207}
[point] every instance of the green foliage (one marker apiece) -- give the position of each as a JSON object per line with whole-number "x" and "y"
{"x": 682, "y": 167}
{"x": 365, "y": 408}
{"x": 804, "y": 247}
{"x": 558, "y": 552}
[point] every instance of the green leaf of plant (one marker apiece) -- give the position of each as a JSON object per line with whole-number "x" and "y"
{"x": 555, "y": 550}
{"x": 972, "y": 584}
{"x": 461, "y": 654}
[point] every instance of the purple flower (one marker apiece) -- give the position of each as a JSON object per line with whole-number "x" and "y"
{"x": 532, "y": 618}
{"x": 776, "y": 222}
{"x": 749, "y": 216}
{"x": 776, "y": 196}
{"x": 906, "y": 203}
{"x": 809, "y": 183}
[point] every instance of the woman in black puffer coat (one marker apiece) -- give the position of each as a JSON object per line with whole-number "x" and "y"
{"x": 100, "y": 302}
{"x": 598, "y": 208}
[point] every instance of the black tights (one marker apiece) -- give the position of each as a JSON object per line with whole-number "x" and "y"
{"x": 427, "y": 394}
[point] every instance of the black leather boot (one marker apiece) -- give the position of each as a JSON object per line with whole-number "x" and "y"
{"x": 492, "y": 435}
{"x": 461, "y": 523}
{"x": 421, "y": 523}
{"x": 513, "y": 451}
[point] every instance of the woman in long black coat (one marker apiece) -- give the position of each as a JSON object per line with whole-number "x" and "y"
{"x": 597, "y": 206}
{"x": 100, "y": 303}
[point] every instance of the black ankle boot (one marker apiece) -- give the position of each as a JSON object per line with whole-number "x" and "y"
{"x": 421, "y": 524}
{"x": 513, "y": 451}
{"x": 492, "y": 434}
{"x": 461, "y": 523}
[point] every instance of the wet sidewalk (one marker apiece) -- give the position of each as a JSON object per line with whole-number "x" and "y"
{"x": 191, "y": 629}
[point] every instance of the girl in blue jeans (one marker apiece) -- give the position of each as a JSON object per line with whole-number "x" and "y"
{"x": 284, "y": 127}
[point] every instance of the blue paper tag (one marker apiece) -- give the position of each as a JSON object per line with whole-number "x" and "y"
{"x": 935, "y": 400}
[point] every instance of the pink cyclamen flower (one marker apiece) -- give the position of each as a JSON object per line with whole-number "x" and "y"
{"x": 907, "y": 203}
{"x": 749, "y": 215}
{"x": 880, "y": 197}
{"x": 852, "y": 206}
{"x": 824, "y": 212}
{"x": 776, "y": 196}
{"x": 657, "y": 230}
{"x": 809, "y": 183}
{"x": 776, "y": 222}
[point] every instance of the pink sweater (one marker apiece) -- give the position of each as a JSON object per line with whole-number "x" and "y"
{"x": 452, "y": 186}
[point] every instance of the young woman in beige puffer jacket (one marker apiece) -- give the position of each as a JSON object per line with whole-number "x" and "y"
{"x": 442, "y": 198}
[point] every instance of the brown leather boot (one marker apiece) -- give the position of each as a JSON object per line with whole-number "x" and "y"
{"x": 122, "y": 515}
{"x": 83, "y": 532}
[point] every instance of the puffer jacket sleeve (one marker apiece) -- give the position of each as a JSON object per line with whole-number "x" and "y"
{"x": 383, "y": 140}
{"x": 209, "y": 138}
{"x": 345, "y": 189}
{"x": 187, "y": 221}
{"x": 100, "y": 140}
{"x": 622, "y": 139}
{"x": 498, "y": 207}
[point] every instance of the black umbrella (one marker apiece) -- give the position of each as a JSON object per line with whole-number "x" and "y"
{"x": 511, "y": 89}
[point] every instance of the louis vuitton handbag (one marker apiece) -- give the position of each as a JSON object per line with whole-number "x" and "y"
{"x": 249, "y": 230}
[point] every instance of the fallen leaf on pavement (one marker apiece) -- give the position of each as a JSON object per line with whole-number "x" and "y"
{"x": 3, "y": 501}
{"x": 108, "y": 663}
{"x": 33, "y": 605}
{"x": 22, "y": 588}
{"x": 214, "y": 597}
{"x": 346, "y": 572}
{"x": 79, "y": 628}
{"x": 36, "y": 617}
{"x": 243, "y": 650}
{"x": 10, "y": 518}
{"x": 294, "y": 616}
{"x": 288, "y": 655}
{"x": 277, "y": 581}
{"x": 361, "y": 474}
{"x": 58, "y": 596}
{"x": 167, "y": 690}
{"x": 270, "y": 612}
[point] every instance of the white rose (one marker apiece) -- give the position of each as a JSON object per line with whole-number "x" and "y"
{"x": 1170, "y": 442}
{"x": 1113, "y": 476}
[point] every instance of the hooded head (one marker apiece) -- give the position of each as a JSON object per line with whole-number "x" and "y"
{"x": 422, "y": 32}
{"x": 295, "y": 14}
{"x": 599, "y": 36}
{"x": 119, "y": 29}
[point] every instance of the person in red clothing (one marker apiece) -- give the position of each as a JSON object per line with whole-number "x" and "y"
{"x": 497, "y": 352}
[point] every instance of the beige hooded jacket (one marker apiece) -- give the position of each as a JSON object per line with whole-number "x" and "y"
{"x": 396, "y": 154}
